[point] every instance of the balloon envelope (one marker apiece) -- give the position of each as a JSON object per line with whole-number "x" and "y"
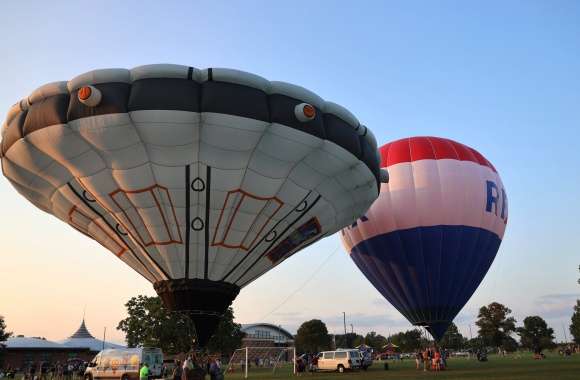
{"x": 427, "y": 242}
{"x": 200, "y": 180}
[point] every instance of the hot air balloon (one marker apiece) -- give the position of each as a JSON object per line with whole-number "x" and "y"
{"x": 199, "y": 180}
{"x": 429, "y": 239}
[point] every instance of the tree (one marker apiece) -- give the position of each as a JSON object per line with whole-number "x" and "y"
{"x": 375, "y": 341}
{"x": 407, "y": 341}
{"x": 509, "y": 344}
{"x": 149, "y": 324}
{"x": 474, "y": 344}
{"x": 4, "y": 335}
{"x": 535, "y": 334}
{"x": 228, "y": 336}
{"x": 349, "y": 340}
{"x": 575, "y": 325}
{"x": 495, "y": 326}
{"x": 312, "y": 336}
{"x": 453, "y": 338}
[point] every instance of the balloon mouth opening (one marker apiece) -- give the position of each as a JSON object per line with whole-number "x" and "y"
{"x": 436, "y": 329}
{"x": 204, "y": 301}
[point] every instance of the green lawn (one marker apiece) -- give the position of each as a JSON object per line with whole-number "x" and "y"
{"x": 552, "y": 368}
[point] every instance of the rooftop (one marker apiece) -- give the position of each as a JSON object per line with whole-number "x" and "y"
{"x": 81, "y": 339}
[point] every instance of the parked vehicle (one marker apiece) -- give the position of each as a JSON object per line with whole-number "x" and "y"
{"x": 124, "y": 363}
{"x": 339, "y": 360}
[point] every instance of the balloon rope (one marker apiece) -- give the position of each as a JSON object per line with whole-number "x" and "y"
{"x": 301, "y": 286}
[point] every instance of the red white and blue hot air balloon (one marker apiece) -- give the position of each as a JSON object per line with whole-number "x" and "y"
{"x": 429, "y": 239}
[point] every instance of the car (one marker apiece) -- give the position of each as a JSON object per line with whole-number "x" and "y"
{"x": 124, "y": 363}
{"x": 340, "y": 360}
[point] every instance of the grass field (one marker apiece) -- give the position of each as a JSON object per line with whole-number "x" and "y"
{"x": 552, "y": 368}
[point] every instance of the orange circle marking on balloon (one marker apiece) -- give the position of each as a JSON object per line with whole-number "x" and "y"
{"x": 309, "y": 111}
{"x": 85, "y": 92}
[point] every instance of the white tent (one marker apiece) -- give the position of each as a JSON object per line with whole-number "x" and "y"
{"x": 82, "y": 338}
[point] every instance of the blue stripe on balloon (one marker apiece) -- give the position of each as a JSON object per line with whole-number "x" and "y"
{"x": 428, "y": 273}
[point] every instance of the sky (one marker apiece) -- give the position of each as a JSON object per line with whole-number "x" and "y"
{"x": 500, "y": 76}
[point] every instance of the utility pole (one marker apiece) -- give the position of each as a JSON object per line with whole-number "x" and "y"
{"x": 104, "y": 336}
{"x": 565, "y": 336}
{"x": 344, "y": 323}
{"x": 351, "y": 329}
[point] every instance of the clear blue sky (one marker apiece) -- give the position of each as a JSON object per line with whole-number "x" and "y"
{"x": 501, "y": 76}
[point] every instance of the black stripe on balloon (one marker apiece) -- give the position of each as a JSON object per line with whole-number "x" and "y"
{"x": 190, "y": 95}
{"x": 273, "y": 229}
{"x": 278, "y": 238}
{"x": 187, "y": 221}
{"x": 86, "y": 203}
{"x": 206, "y": 224}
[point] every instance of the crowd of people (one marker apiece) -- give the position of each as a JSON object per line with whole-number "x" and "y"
{"x": 195, "y": 367}
{"x": 569, "y": 350}
{"x": 307, "y": 362}
{"x": 70, "y": 370}
{"x": 431, "y": 358}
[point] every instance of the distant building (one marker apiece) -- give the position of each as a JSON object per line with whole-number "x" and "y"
{"x": 22, "y": 352}
{"x": 266, "y": 335}
{"x": 82, "y": 338}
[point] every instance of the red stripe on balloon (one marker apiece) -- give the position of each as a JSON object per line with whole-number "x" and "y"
{"x": 429, "y": 148}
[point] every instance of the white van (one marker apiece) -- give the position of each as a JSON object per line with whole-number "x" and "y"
{"x": 338, "y": 360}
{"x": 125, "y": 363}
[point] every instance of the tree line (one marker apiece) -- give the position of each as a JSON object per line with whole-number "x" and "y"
{"x": 148, "y": 323}
{"x": 495, "y": 328}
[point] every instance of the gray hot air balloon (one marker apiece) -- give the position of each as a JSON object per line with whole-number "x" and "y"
{"x": 200, "y": 180}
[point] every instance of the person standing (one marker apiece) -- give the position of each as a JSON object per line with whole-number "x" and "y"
{"x": 144, "y": 372}
{"x": 220, "y": 373}
{"x": 32, "y": 371}
{"x": 418, "y": 359}
{"x": 70, "y": 369}
{"x": 444, "y": 355}
{"x": 59, "y": 371}
{"x": 214, "y": 369}
{"x": 177, "y": 371}
{"x": 425, "y": 359}
{"x": 436, "y": 360}
{"x": 315, "y": 363}
{"x": 187, "y": 368}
